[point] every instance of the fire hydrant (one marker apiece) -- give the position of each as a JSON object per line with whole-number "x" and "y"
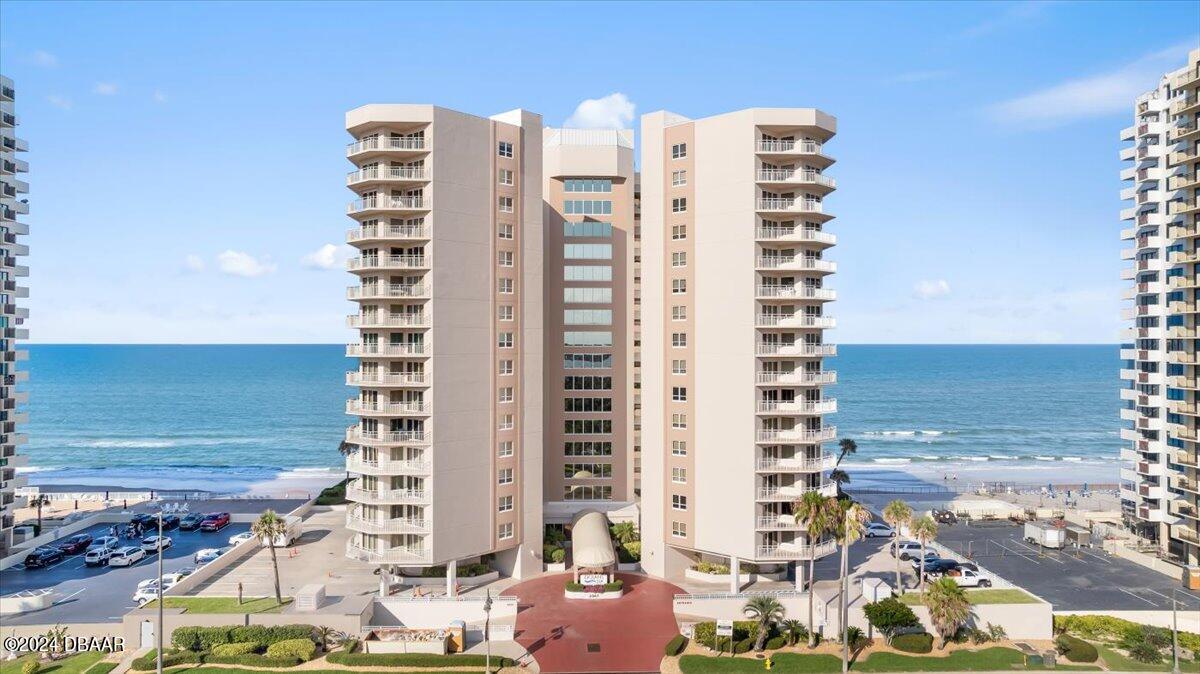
{"x": 768, "y": 663}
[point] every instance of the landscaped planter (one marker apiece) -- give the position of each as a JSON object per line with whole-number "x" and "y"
{"x": 614, "y": 594}
{"x": 556, "y": 567}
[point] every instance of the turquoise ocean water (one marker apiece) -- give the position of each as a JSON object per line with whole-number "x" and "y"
{"x": 222, "y": 417}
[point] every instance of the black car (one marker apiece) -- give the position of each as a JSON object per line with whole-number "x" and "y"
{"x": 191, "y": 522}
{"x": 145, "y": 519}
{"x": 945, "y": 517}
{"x": 43, "y": 557}
{"x": 75, "y": 544}
{"x": 170, "y": 522}
{"x": 934, "y": 567}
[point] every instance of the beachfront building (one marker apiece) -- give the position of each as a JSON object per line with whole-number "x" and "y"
{"x": 12, "y": 205}
{"x": 445, "y": 453}
{"x": 1160, "y": 490}
{"x": 588, "y": 192}
{"x": 734, "y": 299}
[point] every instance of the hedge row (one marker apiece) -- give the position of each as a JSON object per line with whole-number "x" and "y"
{"x": 206, "y": 638}
{"x": 149, "y": 661}
{"x": 676, "y": 645}
{"x": 414, "y": 660}
{"x": 1075, "y": 649}
{"x": 913, "y": 643}
{"x": 1112, "y": 629}
{"x": 304, "y": 649}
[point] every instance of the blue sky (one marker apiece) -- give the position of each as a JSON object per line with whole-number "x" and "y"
{"x": 188, "y": 163}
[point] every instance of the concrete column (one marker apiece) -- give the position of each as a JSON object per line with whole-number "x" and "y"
{"x": 735, "y": 565}
{"x": 452, "y": 578}
{"x": 384, "y": 581}
{"x": 801, "y": 572}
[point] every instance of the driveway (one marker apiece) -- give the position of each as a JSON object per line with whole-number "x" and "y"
{"x": 625, "y": 635}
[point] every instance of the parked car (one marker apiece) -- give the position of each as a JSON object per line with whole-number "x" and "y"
{"x": 944, "y": 516}
{"x": 169, "y": 579}
{"x": 916, "y": 559}
{"x": 191, "y": 522}
{"x": 150, "y": 544}
{"x": 959, "y": 567}
{"x": 75, "y": 544}
{"x": 214, "y": 522}
{"x": 937, "y": 566}
{"x": 972, "y": 578}
{"x": 127, "y": 556}
{"x": 906, "y": 549}
{"x": 238, "y": 539}
{"x": 879, "y": 529}
{"x": 145, "y": 519}
{"x": 207, "y": 555}
{"x": 100, "y": 550}
{"x": 170, "y": 522}
{"x": 42, "y": 557}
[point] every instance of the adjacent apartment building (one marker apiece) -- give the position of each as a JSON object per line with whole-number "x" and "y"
{"x": 445, "y": 452}
{"x": 1160, "y": 492}
{"x": 733, "y": 308}
{"x": 12, "y": 206}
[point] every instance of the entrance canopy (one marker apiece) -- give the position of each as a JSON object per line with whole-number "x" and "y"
{"x": 591, "y": 546}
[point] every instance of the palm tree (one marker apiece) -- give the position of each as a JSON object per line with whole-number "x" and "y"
{"x": 325, "y": 634}
{"x": 793, "y": 630}
{"x": 852, "y": 519}
{"x": 846, "y": 446}
{"x": 813, "y": 511}
{"x": 346, "y": 449}
{"x": 625, "y": 532}
{"x": 948, "y": 607}
{"x": 897, "y": 514}
{"x": 839, "y": 477}
{"x": 268, "y": 526}
{"x": 38, "y": 502}
{"x": 924, "y": 529}
{"x": 767, "y": 611}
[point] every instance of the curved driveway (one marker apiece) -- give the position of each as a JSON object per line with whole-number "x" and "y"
{"x": 625, "y": 635}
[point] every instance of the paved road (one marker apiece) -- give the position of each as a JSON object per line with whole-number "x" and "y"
{"x": 103, "y": 594}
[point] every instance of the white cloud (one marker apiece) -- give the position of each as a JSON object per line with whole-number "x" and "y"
{"x": 160, "y": 96}
{"x": 193, "y": 263}
{"x": 105, "y": 88}
{"x": 237, "y": 263}
{"x": 1092, "y": 96}
{"x": 919, "y": 76}
{"x": 931, "y": 289}
{"x": 44, "y": 59}
{"x": 1014, "y": 15}
{"x": 614, "y": 111}
{"x": 60, "y": 102}
{"x": 325, "y": 257}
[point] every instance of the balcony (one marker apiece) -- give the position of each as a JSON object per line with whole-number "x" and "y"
{"x": 784, "y": 205}
{"x": 793, "y": 292}
{"x": 421, "y": 320}
{"x": 387, "y": 496}
{"x": 778, "y": 523}
{"x": 1189, "y": 535}
{"x": 399, "y": 525}
{"x": 796, "y": 177}
{"x": 1149, "y": 468}
{"x": 388, "y": 291}
{"x": 381, "y": 409}
{"x": 1186, "y": 458}
{"x": 388, "y": 144}
{"x": 1184, "y": 232}
{"x": 796, "y": 350}
{"x": 797, "y": 551}
{"x": 363, "y": 467}
{"x": 796, "y": 465}
{"x": 387, "y": 350}
{"x": 793, "y": 492}
{"x": 377, "y": 262}
{"x": 1185, "y": 484}
{"x": 1184, "y": 104}
{"x": 796, "y": 234}
{"x": 388, "y": 556}
{"x": 360, "y": 437}
{"x": 1181, "y": 308}
{"x": 796, "y": 378}
{"x": 372, "y": 379}
{"x": 798, "y": 321}
{"x": 398, "y": 174}
{"x": 793, "y": 407}
{"x": 381, "y": 204}
{"x": 796, "y": 263}
{"x": 1183, "y": 207}
{"x": 796, "y": 435}
{"x": 386, "y": 233}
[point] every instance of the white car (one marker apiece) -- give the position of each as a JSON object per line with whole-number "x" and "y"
{"x": 240, "y": 538}
{"x": 126, "y": 556}
{"x": 150, "y": 544}
{"x": 879, "y": 529}
{"x": 169, "y": 579}
{"x": 907, "y": 551}
{"x": 207, "y": 555}
{"x": 100, "y": 550}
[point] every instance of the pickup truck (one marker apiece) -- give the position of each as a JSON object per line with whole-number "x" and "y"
{"x": 968, "y": 578}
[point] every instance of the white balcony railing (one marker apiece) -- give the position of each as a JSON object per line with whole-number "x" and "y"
{"x": 388, "y": 320}
{"x": 787, "y": 407}
{"x": 795, "y": 321}
{"x": 358, "y": 436}
{"x": 796, "y": 293}
{"x": 790, "y": 205}
{"x": 796, "y": 435}
{"x": 797, "y": 146}
{"x": 387, "y": 262}
{"x": 386, "y": 379}
{"x": 387, "y": 408}
{"x": 388, "y": 203}
{"x": 795, "y": 550}
{"x": 387, "y": 143}
{"x": 358, "y": 465}
{"x": 386, "y": 496}
{"x": 778, "y": 522}
{"x": 797, "y": 350}
{"x": 383, "y": 290}
{"x": 399, "y": 525}
{"x": 809, "y": 234}
{"x": 387, "y": 173}
{"x": 796, "y": 262}
{"x": 386, "y": 232}
{"x": 794, "y": 176}
{"x": 798, "y": 378}
{"x": 791, "y": 492}
{"x": 398, "y": 555}
{"x": 797, "y": 465}
{"x": 399, "y": 350}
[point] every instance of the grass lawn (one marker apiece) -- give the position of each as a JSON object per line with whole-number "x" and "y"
{"x": 223, "y": 604}
{"x": 1119, "y": 662}
{"x": 1007, "y": 596}
{"x": 235, "y": 670}
{"x": 987, "y": 659}
{"x": 72, "y": 665}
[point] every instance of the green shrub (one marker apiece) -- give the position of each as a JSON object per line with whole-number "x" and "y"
{"x": 349, "y": 645}
{"x": 1146, "y": 652}
{"x": 558, "y": 556}
{"x": 31, "y": 666}
{"x": 614, "y": 586}
{"x": 705, "y": 633}
{"x": 304, "y": 649}
{"x": 890, "y": 616}
{"x": 913, "y": 643}
{"x": 237, "y": 648}
{"x": 252, "y": 660}
{"x": 553, "y": 536}
{"x": 204, "y": 638}
{"x": 335, "y": 495}
{"x": 674, "y": 647}
{"x": 978, "y": 636}
{"x": 630, "y": 552}
{"x": 1075, "y": 649}
{"x": 148, "y": 663}
{"x": 744, "y": 646}
{"x": 1102, "y": 627}
{"x": 414, "y": 660}
{"x": 572, "y": 586}
{"x": 855, "y": 637}
{"x": 775, "y": 643}
{"x": 712, "y": 568}
{"x": 267, "y": 635}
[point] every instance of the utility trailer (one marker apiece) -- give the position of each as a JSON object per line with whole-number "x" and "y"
{"x": 1045, "y": 534}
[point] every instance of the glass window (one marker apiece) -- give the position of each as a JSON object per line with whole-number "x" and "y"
{"x": 505, "y": 149}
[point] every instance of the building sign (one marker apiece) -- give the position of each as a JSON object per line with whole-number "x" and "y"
{"x": 593, "y": 579}
{"x": 724, "y": 628}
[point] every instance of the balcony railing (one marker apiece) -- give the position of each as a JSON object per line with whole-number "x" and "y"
{"x": 795, "y": 550}
{"x": 387, "y": 203}
{"x": 381, "y": 290}
{"x": 388, "y": 556}
{"x": 794, "y": 176}
{"x": 386, "y": 496}
{"x": 797, "y": 263}
{"x": 387, "y": 408}
{"x": 387, "y": 262}
{"x": 387, "y": 173}
{"x": 358, "y": 465}
{"x": 796, "y": 293}
{"x": 784, "y": 522}
{"x": 400, "y": 350}
{"x": 386, "y": 232}
{"x": 827, "y": 377}
{"x": 355, "y": 435}
{"x": 786, "y": 407}
{"x": 797, "y": 146}
{"x": 387, "y": 143}
{"x": 399, "y": 525}
{"x": 799, "y": 465}
{"x": 790, "y": 205}
{"x": 795, "y": 321}
{"x": 386, "y": 379}
{"x": 799, "y": 435}
{"x": 388, "y": 320}
{"x": 797, "y": 350}
{"x": 797, "y": 234}
{"x": 794, "y": 491}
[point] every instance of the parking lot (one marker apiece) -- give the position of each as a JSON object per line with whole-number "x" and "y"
{"x": 103, "y": 594}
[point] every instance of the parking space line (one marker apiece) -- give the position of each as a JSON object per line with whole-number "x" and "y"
{"x": 1019, "y": 553}
{"x": 1039, "y": 553}
{"x": 1102, "y": 558}
{"x": 1131, "y": 594}
{"x": 1157, "y": 593}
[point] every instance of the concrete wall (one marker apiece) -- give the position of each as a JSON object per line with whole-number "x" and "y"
{"x": 726, "y": 606}
{"x": 437, "y": 612}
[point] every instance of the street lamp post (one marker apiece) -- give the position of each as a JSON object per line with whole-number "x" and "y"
{"x": 158, "y": 632}
{"x": 487, "y": 624}
{"x": 1174, "y": 632}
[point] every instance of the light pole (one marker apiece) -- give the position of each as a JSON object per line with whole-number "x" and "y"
{"x": 158, "y": 633}
{"x": 1174, "y": 632}
{"x": 487, "y": 624}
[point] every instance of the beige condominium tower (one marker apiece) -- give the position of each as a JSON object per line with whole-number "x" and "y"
{"x": 11, "y": 207}
{"x": 1159, "y": 491}
{"x": 588, "y": 191}
{"x": 445, "y": 452}
{"x": 734, "y": 297}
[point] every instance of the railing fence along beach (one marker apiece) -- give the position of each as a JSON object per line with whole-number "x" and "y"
{"x": 990, "y": 487}
{"x": 156, "y": 495}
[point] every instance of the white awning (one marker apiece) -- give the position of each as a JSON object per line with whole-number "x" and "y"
{"x": 591, "y": 546}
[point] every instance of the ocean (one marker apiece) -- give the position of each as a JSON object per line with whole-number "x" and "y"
{"x": 230, "y": 417}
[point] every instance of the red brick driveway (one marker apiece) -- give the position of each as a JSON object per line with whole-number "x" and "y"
{"x": 595, "y": 635}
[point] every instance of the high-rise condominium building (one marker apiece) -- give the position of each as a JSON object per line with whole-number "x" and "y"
{"x": 734, "y": 296}
{"x": 1159, "y": 493}
{"x": 11, "y": 206}
{"x": 588, "y": 191}
{"x": 446, "y": 450}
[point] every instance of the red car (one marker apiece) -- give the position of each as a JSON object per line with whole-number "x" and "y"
{"x": 75, "y": 544}
{"x": 214, "y": 522}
